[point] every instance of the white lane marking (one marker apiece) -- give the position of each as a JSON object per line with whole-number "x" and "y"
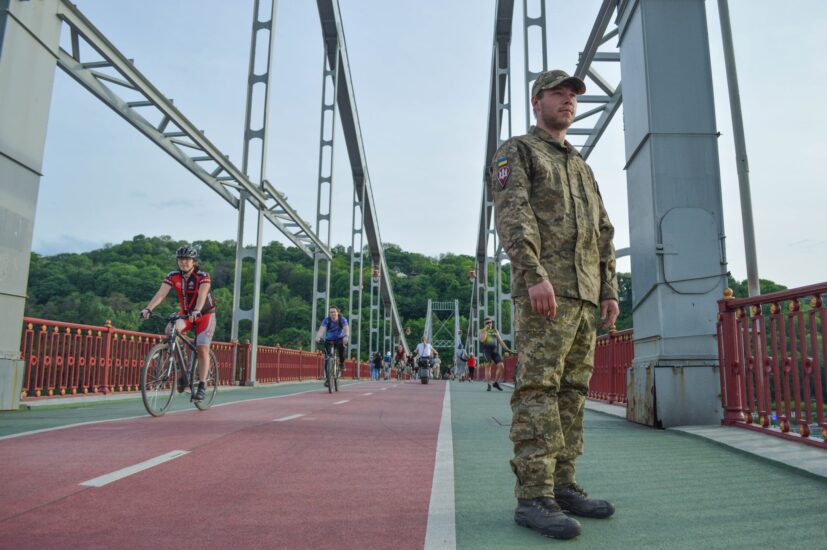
{"x": 134, "y": 469}
{"x": 146, "y": 416}
{"x": 341, "y": 402}
{"x": 286, "y": 418}
{"x": 442, "y": 530}
{"x": 383, "y": 389}
{"x": 369, "y": 393}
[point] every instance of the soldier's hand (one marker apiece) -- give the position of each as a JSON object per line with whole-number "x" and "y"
{"x": 609, "y": 310}
{"x": 543, "y": 300}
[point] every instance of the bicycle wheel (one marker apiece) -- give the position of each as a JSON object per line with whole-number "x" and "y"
{"x": 336, "y": 376}
{"x": 158, "y": 380}
{"x": 331, "y": 373}
{"x": 211, "y": 384}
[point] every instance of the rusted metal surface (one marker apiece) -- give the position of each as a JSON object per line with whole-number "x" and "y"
{"x": 772, "y": 352}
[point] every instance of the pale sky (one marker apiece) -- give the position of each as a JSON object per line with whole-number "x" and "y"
{"x": 420, "y": 72}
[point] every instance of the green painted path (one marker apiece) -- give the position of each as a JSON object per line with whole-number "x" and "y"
{"x": 671, "y": 490}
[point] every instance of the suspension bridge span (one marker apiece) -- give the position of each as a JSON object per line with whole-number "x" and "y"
{"x": 739, "y": 384}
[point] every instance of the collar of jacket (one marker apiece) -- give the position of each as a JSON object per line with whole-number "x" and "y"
{"x": 566, "y": 147}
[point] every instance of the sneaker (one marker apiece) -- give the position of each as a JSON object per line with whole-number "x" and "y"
{"x": 573, "y": 499}
{"x": 182, "y": 385}
{"x": 545, "y": 516}
{"x": 201, "y": 393}
{"x": 489, "y": 387}
{"x": 497, "y": 385}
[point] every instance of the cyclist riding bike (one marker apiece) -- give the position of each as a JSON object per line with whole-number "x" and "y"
{"x": 334, "y": 333}
{"x": 197, "y": 305}
{"x": 399, "y": 361}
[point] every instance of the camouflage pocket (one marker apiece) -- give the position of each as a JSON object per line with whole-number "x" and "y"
{"x": 521, "y": 432}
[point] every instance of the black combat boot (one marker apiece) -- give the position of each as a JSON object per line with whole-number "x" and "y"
{"x": 573, "y": 499}
{"x": 544, "y": 516}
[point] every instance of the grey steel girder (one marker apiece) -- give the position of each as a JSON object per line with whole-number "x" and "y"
{"x": 610, "y": 103}
{"x": 331, "y": 21}
{"x": 324, "y": 191}
{"x": 173, "y": 132}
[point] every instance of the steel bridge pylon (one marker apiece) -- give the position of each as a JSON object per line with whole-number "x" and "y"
{"x": 442, "y": 327}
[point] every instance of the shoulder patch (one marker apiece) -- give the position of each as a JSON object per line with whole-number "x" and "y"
{"x": 502, "y": 161}
{"x": 502, "y": 175}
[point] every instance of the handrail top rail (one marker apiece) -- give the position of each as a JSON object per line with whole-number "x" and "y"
{"x": 728, "y": 304}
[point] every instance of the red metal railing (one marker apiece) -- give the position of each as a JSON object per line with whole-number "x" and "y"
{"x": 613, "y": 355}
{"x": 772, "y": 362}
{"x": 68, "y": 359}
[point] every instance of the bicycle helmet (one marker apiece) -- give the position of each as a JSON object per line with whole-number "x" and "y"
{"x": 187, "y": 251}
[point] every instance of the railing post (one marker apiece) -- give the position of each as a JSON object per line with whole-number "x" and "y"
{"x": 730, "y": 362}
{"x": 107, "y": 357}
{"x": 612, "y": 366}
{"x": 278, "y": 363}
{"x": 234, "y": 347}
{"x": 301, "y": 374}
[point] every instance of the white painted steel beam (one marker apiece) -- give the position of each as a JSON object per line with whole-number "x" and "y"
{"x": 225, "y": 179}
{"x": 332, "y": 31}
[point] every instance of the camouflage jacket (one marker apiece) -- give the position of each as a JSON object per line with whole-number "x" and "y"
{"x": 551, "y": 220}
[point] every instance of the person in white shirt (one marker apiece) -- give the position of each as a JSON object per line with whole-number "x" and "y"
{"x": 424, "y": 349}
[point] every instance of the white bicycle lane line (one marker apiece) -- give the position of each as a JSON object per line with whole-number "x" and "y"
{"x": 105, "y": 479}
{"x": 441, "y": 532}
{"x": 86, "y": 451}
{"x": 268, "y": 462}
{"x": 146, "y": 416}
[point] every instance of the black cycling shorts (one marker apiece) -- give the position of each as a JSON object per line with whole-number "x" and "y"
{"x": 492, "y": 354}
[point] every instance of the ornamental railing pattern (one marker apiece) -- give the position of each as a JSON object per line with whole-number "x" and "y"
{"x": 772, "y": 351}
{"x": 70, "y": 359}
{"x": 613, "y": 356}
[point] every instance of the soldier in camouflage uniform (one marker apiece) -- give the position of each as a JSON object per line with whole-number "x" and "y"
{"x": 552, "y": 222}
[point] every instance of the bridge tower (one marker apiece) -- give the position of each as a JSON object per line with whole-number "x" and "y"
{"x": 324, "y": 195}
{"x": 442, "y": 325}
{"x": 675, "y": 211}
{"x": 255, "y": 149}
{"x": 29, "y": 38}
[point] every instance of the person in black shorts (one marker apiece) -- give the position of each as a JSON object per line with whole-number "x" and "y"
{"x": 489, "y": 340}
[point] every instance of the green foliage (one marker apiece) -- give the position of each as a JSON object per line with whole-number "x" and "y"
{"x": 741, "y": 290}
{"x": 115, "y": 282}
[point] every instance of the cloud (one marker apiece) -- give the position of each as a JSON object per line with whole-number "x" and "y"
{"x": 64, "y": 244}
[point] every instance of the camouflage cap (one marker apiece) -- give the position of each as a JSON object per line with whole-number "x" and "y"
{"x": 552, "y": 79}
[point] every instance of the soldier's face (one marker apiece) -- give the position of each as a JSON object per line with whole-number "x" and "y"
{"x": 556, "y": 108}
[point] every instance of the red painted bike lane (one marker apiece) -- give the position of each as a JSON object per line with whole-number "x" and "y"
{"x": 354, "y": 470}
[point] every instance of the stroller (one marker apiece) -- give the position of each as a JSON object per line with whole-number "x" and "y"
{"x": 423, "y": 372}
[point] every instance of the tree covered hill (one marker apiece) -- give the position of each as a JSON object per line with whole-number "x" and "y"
{"x": 115, "y": 282}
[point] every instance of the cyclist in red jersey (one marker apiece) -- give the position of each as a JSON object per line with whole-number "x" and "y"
{"x": 196, "y": 302}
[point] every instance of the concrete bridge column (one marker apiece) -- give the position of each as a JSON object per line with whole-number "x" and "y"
{"x": 29, "y": 37}
{"x": 675, "y": 212}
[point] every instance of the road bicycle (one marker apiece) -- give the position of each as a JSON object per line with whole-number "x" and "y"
{"x": 171, "y": 362}
{"x": 331, "y": 368}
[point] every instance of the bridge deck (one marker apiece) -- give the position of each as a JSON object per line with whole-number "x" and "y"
{"x": 268, "y": 484}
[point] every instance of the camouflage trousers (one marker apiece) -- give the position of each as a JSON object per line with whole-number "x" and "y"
{"x": 547, "y": 406}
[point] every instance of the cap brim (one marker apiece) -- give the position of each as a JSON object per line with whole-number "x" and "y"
{"x": 578, "y": 85}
